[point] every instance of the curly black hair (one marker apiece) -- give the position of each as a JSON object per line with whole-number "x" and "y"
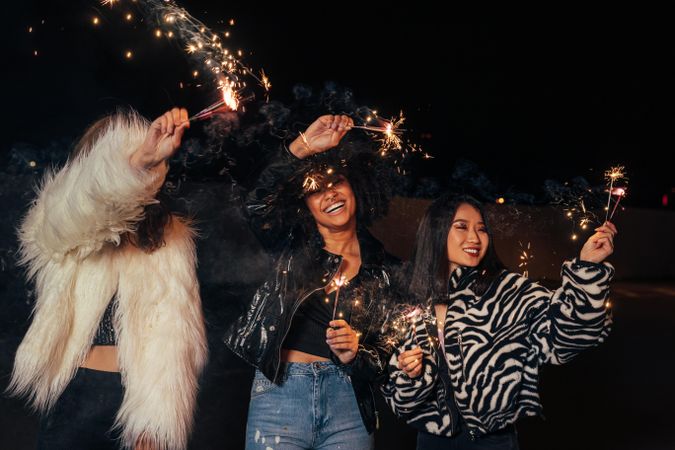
{"x": 372, "y": 174}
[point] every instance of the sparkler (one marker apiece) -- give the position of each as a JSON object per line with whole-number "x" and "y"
{"x": 338, "y": 282}
{"x": 404, "y": 320}
{"x": 579, "y": 200}
{"x": 203, "y": 45}
{"x": 525, "y": 257}
{"x": 614, "y": 175}
{"x": 390, "y": 130}
{"x": 619, "y": 193}
{"x": 230, "y": 101}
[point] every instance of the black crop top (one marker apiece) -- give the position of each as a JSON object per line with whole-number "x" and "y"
{"x": 105, "y": 334}
{"x": 308, "y": 329}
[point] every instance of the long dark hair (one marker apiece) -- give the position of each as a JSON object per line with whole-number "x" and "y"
{"x": 429, "y": 267}
{"x": 149, "y": 233}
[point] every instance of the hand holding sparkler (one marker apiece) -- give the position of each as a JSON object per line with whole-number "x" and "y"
{"x": 410, "y": 361}
{"x": 324, "y": 134}
{"x": 342, "y": 340}
{"x": 162, "y": 140}
{"x": 600, "y": 245}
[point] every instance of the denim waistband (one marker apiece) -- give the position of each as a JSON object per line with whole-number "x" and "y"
{"x": 313, "y": 368}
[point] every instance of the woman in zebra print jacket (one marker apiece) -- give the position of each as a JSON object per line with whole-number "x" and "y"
{"x": 464, "y": 384}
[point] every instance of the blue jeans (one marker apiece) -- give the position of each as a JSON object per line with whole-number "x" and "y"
{"x": 314, "y": 407}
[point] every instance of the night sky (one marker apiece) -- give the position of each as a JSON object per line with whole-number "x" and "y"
{"x": 526, "y": 101}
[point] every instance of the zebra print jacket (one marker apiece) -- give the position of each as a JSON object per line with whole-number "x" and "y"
{"x": 494, "y": 345}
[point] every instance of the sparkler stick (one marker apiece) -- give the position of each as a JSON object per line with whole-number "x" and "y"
{"x": 613, "y": 174}
{"x": 340, "y": 281}
{"x": 378, "y": 129}
{"x": 391, "y": 138}
{"x": 229, "y": 99}
{"x": 620, "y": 193}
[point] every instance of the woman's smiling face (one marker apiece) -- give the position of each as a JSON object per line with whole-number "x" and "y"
{"x": 335, "y": 206}
{"x": 468, "y": 240}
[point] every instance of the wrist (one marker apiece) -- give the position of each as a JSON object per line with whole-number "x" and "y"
{"x": 299, "y": 148}
{"x": 139, "y": 162}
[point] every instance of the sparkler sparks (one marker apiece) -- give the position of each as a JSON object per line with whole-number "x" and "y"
{"x": 579, "y": 202}
{"x": 310, "y": 184}
{"x": 230, "y": 101}
{"x": 390, "y": 130}
{"x": 339, "y": 281}
{"x": 525, "y": 257}
{"x": 202, "y": 45}
{"x": 615, "y": 175}
{"x": 404, "y": 320}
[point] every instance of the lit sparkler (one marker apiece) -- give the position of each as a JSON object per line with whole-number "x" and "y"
{"x": 579, "y": 200}
{"x": 404, "y": 321}
{"x": 525, "y": 257}
{"x": 612, "y": 176}
{"x": 338, "y": 282}
{"x": 390, "y": 130}
{"x": 229, "y": 102}
{"x": 619, "y": 193}
{"x": 204, "y": 47}
{"x": 310, "y": 184}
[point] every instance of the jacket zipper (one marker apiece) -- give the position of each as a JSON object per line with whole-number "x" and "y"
{"x": 440, "y": 353}
{"x": 461, "y": 354}
{"x": 296, "y": 305}
{"x": 472, "y": 433}
{"x": 252, "y": 323}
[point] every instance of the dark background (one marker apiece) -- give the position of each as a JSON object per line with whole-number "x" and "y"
{"x": 525, "y": 100}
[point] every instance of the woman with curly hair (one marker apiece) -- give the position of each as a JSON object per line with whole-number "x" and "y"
{"x": 311, "y": 330}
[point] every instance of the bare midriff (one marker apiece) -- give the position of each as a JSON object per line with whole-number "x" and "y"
{"x": 102, "y": 357}
{"x": 297, "y": 356}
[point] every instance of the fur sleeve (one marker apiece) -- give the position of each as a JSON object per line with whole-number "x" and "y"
{"x": 162, "y": 343}
{"x": 404, "y": 394}
{"x": 575, "y": 316}
{"x": 92, "y": 200}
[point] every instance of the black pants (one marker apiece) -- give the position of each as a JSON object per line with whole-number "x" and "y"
{"x": 83, "y": 415}
{"x": 504, "y": 439}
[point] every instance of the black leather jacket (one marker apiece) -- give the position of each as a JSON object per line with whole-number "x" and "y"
{"x": 300, "y": 270}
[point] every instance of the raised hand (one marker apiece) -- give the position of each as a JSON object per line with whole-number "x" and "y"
{"x": 324, "y": 134}
{"x": 600, "y": 245}
{"x": 163, "y": 139}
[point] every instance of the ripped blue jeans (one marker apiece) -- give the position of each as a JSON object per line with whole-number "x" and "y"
{"x": 314, "y": 407}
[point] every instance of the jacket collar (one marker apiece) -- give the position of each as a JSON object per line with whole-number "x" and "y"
{"x": 372, "y": 252}
{"x": 461, "y": 277}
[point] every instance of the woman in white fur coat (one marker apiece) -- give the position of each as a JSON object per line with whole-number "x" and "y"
{"x": 117, "y": 340}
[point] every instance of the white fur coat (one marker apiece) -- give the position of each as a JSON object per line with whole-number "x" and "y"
{"x": 71, "y": 245}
